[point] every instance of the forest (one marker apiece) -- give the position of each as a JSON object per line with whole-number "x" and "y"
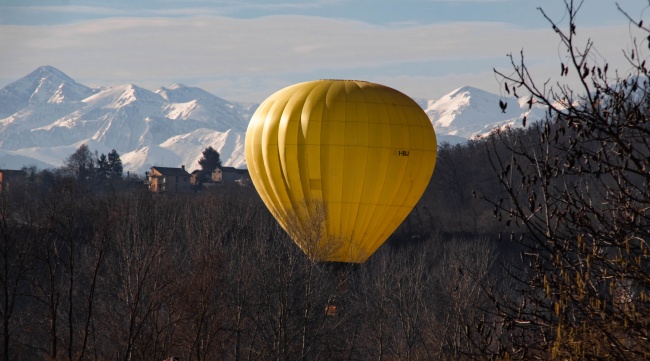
{"x": 530, "y": 243}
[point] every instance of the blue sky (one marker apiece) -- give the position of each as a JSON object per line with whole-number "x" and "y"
{"x": 244, "y": 50}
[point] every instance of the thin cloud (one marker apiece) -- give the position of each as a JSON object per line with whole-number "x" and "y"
{"x": 272, "y": 50}
{"x": 177, "y": 7}
{"x": 94, "y": 10}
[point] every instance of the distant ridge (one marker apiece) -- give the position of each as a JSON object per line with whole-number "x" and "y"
{"x": 45, "y": 84}
{"x": 46, "y": 115}
{"x": 469, "y": 112}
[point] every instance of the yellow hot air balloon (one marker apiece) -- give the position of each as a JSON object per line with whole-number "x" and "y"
{"x": 340, "y": 164}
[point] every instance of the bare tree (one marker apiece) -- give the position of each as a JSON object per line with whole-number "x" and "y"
{"x": 15, "y": 265}
{"x": 465, "y": 268}
{"x": 576, "y": 193}
{"x": 81, "y": 163}
{"x": 146, "y": 272}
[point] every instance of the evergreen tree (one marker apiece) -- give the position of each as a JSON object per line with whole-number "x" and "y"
{"x": 115, "y": 169}
{"x": 210, "y": 161}
{"x": 102, "y": 172}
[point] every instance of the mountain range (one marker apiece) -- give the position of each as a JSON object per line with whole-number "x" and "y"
{"x": 46, "y": 115}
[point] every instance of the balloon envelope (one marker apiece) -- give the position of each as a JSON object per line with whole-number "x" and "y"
{"x": 340, "y": 164}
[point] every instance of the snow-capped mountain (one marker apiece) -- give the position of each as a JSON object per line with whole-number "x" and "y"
{"x": 46, "y": 115}
{"x": 469, "y": 112}
{"x": 45, "y": 85}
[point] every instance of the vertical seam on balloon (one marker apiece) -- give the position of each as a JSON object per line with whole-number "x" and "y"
{"x": 398, "y": 206}
{"x": 274, "y": 188}
{"x": 362, "y": 181}
{"x": 404, "y": 206}
{"x": 286, "y": 176}
{"x": 324, "y": 196}
{"x": 379, "y": 210}
{"x": 387, "y": 215}
{"x": 268, "y": 196}
{"x": 256, "y": 137}
{"x": 337, "y": 89}
{"x": 307, "y": 190}
{"x": 301, "y": 155}
{"x": 346, "y": 204}
{"x": 423, "y": 125}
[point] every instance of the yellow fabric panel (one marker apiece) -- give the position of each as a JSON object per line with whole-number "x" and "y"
{"x": 257, "y": 166}
{"x": 360, "y": 230}
{"x": 340, "y": 163}
{"x": 291, "y": 144}
{"x": 310, "y": 121}
{"x": 279, "y": 192}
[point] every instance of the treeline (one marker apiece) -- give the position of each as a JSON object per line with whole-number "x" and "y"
{"x": 133, "y": 275}
{"x": 89, "y": 169}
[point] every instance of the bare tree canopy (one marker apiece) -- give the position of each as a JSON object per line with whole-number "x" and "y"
{"x": 577, "y": 203}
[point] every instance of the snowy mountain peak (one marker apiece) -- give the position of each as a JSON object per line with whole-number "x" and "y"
{"x": 45, "y": 116}
{"x": 470, "y": 112}
{"x": 120, "y": 96}
{"x": 48, "y": 84}
{"x": 179, "y": 93}
{"x": 50, "y": 72}
{"x": 44, "y": 85}
{"x": 461, "y": 97}
{"x": 470, "y": 91}
{"x": 69, "y": 92}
